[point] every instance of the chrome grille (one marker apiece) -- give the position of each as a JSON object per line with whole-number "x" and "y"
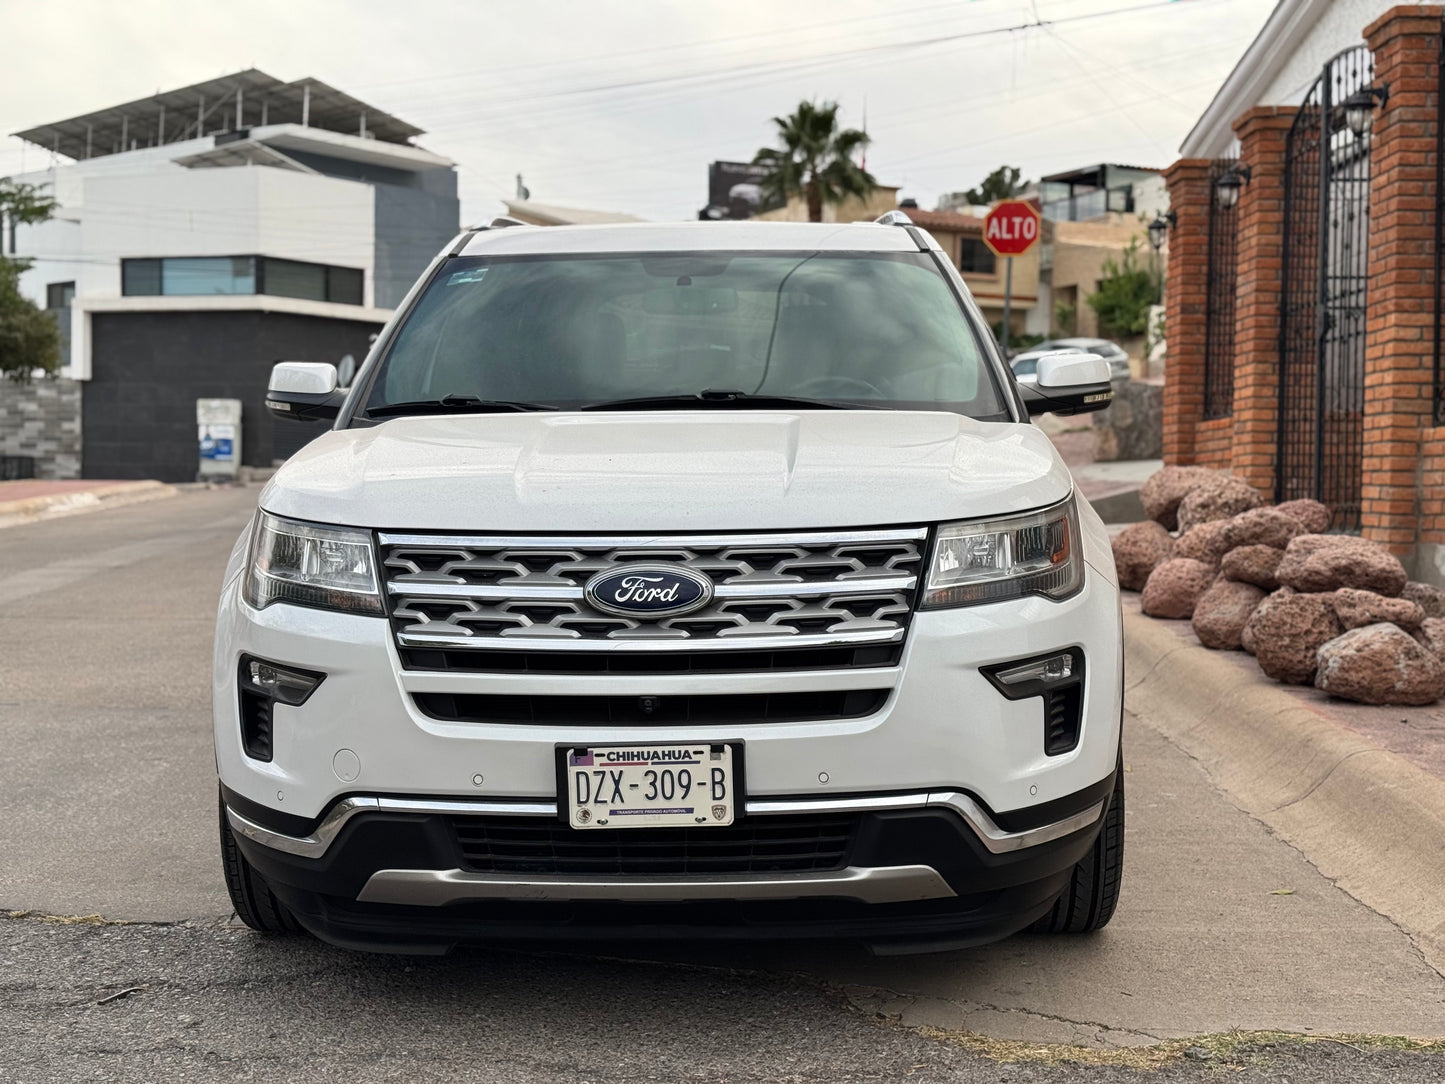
{"x": 770, "y": 591}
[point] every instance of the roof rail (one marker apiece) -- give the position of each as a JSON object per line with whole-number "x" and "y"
{"x": 893, "y": 218}
{"x": 502, "y": 221}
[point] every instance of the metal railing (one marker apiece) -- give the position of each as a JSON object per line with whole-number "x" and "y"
{"x": 1322, "y": 301}
{"x": 1221, "y": 276}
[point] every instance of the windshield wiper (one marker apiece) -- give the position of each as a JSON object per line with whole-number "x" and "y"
{"x": 718, "y": 397}
{"x": 453, "y": 404}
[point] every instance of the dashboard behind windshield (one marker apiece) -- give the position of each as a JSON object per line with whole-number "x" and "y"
{"x": 875, "y": 330}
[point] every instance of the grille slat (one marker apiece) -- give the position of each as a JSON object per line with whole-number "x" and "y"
{"x": 801, "y": 843}
{"x": 701, "y": 710}
{"x": 815, "y": 590}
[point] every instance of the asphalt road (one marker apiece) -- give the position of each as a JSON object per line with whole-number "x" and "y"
{"x": 107, "y": 808}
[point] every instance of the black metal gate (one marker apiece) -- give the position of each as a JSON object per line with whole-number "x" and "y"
{"x": 1219, "y": 287}
{"x": 1322, "y": 306}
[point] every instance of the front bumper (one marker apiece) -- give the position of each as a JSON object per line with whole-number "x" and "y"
{"x": 941, "y": 725}
{"x": 922, "y": 871}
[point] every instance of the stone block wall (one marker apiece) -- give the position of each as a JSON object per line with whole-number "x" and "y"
{"x": 42, "y": 420}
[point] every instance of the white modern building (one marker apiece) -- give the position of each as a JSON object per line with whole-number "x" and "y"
{"x": 205, "y": 232}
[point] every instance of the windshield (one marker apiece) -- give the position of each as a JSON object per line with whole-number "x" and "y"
{"x": 871, "y": 330}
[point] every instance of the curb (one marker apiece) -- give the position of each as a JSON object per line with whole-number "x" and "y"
{"x": 116, "y": 495}
{"x": 1368, "y": 819}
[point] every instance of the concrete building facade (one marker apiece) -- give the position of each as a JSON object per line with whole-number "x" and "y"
{"x": 205, "y": 233}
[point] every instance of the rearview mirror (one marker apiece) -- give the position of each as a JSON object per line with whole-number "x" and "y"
{"x": 304, "y": 391}
{"x": 1069, "y": 383}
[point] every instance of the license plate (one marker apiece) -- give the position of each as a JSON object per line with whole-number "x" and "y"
{"x": 649, "y": 786}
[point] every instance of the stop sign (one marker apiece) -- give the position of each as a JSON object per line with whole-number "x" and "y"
{"x": 1011, "y": 228}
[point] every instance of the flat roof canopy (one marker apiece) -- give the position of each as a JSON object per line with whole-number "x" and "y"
{"x": 230, "y": 103}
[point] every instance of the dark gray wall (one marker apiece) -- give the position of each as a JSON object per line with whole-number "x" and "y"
{"x": 412, "y": 225}
{"x": 138, "y": 410}
{"x": 417, "y": 212}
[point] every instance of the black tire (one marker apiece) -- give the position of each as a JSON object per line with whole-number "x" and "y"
{"x": 256, "y": 905}
{"x": 1093, "y": 892}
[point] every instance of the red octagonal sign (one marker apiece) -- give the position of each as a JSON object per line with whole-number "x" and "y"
{"x": 1011, "y": 228}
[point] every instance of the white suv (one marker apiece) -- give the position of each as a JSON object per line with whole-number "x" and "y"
{"x": 675, "y": 581}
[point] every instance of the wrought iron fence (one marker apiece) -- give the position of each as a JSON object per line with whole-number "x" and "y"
{"x": 1219, "y": 284}
{"x": 1322, "y": 318}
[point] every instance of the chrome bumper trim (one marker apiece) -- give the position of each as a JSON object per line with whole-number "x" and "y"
{"x": 868, "y": 884}
{"x": 315, "y": 845}
{"x": 994, "y": 838}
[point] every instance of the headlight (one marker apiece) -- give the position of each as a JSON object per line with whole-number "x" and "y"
{"x": 331, "y": 568}
{"x": 1036, "y": 554}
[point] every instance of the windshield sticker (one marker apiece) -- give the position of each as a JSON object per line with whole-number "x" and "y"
{"x": 476, "y": 274}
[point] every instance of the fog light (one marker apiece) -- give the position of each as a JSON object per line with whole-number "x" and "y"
{"x": 1050, "y": 670}
{"x": 1058, "y": 680}
{"x": 283, "y": 683}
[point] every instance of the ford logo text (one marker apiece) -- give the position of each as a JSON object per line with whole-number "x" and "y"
{"x": 649, "y": 591}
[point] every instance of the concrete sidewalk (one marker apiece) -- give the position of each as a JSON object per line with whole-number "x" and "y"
{"x": 39, "y": 498}
{"x": 1360, "y": 791}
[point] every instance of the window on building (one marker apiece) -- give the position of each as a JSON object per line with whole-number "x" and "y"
{"x": 59, "y": 295}
{"x": 58, "y": 298}
{"x": 975, "y": 257}
{"x": 193, "y": 276}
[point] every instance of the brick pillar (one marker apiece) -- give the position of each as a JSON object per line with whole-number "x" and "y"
{"x": 1262, "y": 132}
{"x": 1400, "y": 297}
{"x": 1184, "y": 310}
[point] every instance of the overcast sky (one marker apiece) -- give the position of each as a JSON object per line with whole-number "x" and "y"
{"x": 621, "y": 104}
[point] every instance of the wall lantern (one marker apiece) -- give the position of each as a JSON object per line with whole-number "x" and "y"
{"x": 1159, "y": 229}
{"x": 1360, "y": 108}
{"x": 1228, "y": 184}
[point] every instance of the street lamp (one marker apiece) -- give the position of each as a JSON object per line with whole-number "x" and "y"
{"x": 1228, "y": 184}
{"x": 1360, "y": 108}
{"x": 1159, "y": 229}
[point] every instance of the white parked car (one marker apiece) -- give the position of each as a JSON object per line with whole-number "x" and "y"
{"x": 675, "y": 581}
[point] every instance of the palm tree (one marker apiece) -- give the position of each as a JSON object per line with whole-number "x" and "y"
{"x": 815, "y": 160}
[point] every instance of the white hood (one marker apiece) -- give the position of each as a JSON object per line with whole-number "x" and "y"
{"x": 728, "y": 470}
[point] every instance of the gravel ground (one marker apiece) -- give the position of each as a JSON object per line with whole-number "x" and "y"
{"x": 160, "y": 1003}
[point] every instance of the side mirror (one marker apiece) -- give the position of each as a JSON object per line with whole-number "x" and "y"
{"x": 1069, "y": 383}
{"x": 304, "y": 391}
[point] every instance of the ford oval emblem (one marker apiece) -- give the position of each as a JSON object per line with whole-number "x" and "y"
{"x": 649, "y": 591}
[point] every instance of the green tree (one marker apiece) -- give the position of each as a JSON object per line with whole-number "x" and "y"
{"x": 1125, "y": 293}
{"x": 1002, "y": 183}
{"x": 29, "y": 338}
{"x": 815, "y": 160}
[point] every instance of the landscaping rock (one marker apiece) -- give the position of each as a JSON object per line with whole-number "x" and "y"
{"x": 1206, "y": 543}
{"x": 1221, "y": 497}
{"x": 1246, "y": 637}
{"x": 1380, "y": 664}
{"x": 1313, "y": 516}
{"x": 1356, "y": 609}
{"x": 1139, "y": 549}
{"x": 1429, "y": 598}
{"x": 1164, "y": 489}
{"x": 1174, "y": 587}
{"x": 1252, "y": 564}
{"x": 1222, "y": 611}
{"x": 1262, "y": 527}
{"x": 1432, "y": 634}
{"x": 1287, "y": 632}
{"x": 1327, "y": 562}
